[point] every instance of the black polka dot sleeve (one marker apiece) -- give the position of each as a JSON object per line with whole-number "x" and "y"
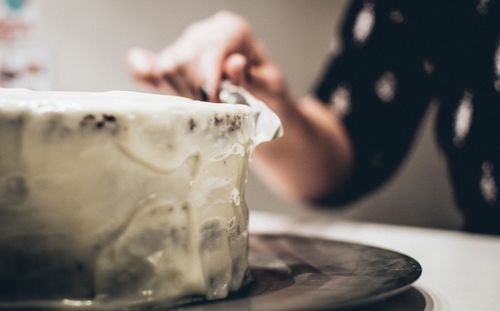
{"x": 379, "y": 86}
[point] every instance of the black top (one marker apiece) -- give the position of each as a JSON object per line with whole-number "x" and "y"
{"x": 398, "y": 57}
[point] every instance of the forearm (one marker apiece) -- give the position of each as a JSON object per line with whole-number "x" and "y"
{"x": 312, "y": 159}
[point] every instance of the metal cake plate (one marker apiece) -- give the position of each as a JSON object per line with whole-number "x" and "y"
{"x": 305, "y": 273}
{"x": 291, "y": 272}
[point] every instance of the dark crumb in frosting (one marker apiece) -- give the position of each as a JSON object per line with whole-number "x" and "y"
{"x": 192, "y": 124}
{"x": 107, "y": 121}
{"x": 109, "y": 118}
{"x": 234, "y": 123}
{"x": 100, "y": 124}
{"x": 217, "y": 120}
{"x": 87, "y": 119}
{"x": 228, "y": 122}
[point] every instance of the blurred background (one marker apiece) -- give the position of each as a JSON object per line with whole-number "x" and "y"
{"x": 80, "y": 45}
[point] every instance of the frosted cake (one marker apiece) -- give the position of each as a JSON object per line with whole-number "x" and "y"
{"x": 121, "y": 197}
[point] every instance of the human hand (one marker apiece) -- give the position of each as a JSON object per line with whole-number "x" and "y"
{"x": 224, "y": 46}
{"x": 220, "y": 47}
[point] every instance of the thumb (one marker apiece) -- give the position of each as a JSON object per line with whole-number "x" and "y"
{"x": 235, "y": 68}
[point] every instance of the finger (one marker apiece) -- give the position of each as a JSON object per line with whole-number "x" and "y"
{"x": 181, "y": 74}
{"x": 163, "y": 72}
{"x": 188, "y": 83}
{"x": 263, "y": 77}
{"x": 140, "y": 64}
{"x": 184, "y": 86}
{"x": 211, "y": 72}
{"x": 236, "y": 68}
{"x": 178, "y": 84}
{"x": 150, "y": 84}
{"x": 170, "y": 71}
{"x": 266, "y": 84}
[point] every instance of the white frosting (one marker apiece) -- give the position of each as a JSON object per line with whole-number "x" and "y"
{"x": 115, "y": 101}
{"x": 121, "y": 197}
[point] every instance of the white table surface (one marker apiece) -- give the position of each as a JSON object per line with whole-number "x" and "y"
{"x": 461, "y": 271}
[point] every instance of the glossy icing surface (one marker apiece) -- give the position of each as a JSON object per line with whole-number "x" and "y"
{"x": 121, "y": 197}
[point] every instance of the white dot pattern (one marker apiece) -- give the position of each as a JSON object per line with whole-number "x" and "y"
{"x": 482, "y": 6}
{"x": 398, "y": 59}
{"x": 341, "y": 101}
{"x": 385, "y": 86}
{"x": 463, "y": 118}
{"x": 364, "y": 23}
{"x": 487, "y": 183}
{"x": 428, "y": 66}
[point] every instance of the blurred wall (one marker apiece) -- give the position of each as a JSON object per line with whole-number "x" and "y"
{"x": 90, "y": 38}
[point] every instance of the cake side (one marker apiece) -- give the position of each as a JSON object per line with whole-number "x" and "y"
{"x": 117, "y": 204}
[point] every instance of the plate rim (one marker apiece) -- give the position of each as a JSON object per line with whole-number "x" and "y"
{"x": 356, "y": 302}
